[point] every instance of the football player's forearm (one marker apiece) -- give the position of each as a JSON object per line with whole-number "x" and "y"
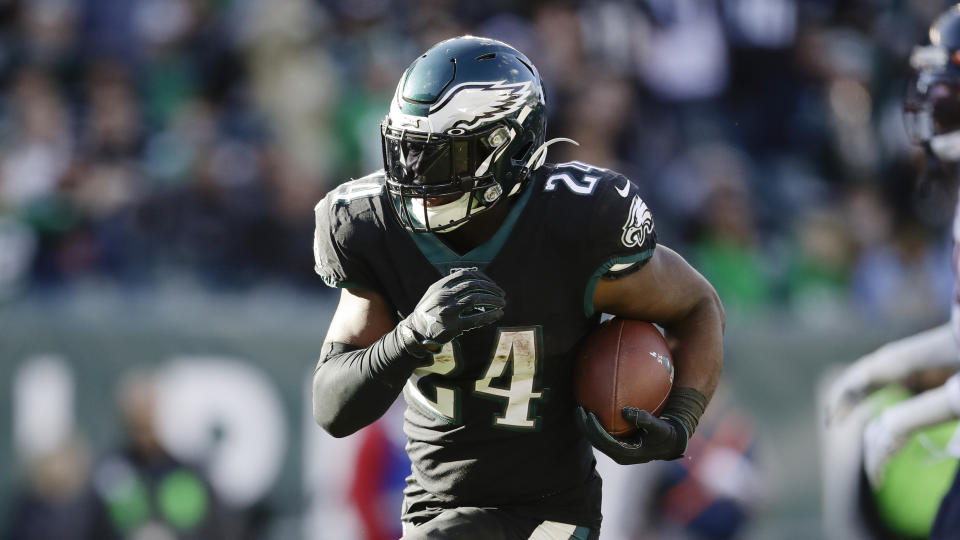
{"x": 697, "y": 345}
{"x": 923, "y": 410}
{"x": 353, "y": 388}
{"x": 899, "y": 359}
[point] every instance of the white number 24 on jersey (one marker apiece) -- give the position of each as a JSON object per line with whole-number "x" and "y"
{"x": 517, "y": 346}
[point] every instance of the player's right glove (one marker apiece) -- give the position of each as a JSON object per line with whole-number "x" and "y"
{"x": 454, "y": 304}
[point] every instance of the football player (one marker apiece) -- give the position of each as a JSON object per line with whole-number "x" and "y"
{"x": 470, "y": 268}
{"x": 932, "y": 113}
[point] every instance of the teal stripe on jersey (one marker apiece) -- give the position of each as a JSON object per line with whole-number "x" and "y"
{"x": 582, "y": 533}
{"x": 604, "y": 268}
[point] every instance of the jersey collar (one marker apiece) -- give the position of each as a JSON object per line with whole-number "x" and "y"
{"x": 445, "y": 260}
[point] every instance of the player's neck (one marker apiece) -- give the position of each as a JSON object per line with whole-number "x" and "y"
{"x": 478, "y": 230}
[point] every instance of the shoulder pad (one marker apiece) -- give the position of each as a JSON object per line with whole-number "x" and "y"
{"x": 368, "y": 186}
{"x": 348, "y": 222}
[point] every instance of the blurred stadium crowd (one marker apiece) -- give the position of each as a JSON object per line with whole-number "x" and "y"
{"x": 156, "y": 140}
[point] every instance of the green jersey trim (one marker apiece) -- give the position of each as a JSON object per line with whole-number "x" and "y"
{"x": 444, "y": 259}
{"x": 604, "y": 268}
{"x": 581, "y": 533}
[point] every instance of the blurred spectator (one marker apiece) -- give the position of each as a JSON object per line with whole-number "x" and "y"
{"x": 713, "y": 492}
{"x": 902, "y": 271}
{"x": 685, "y": 57}
{"x": 183, "y": 139}
{"x": 608, "y": 103}
{"x": 38, "y": 146}
{"x": 17, "y": 247}
{"x": 716, "y": 491}
{"x": 727, "y": 248}
{"x": 140, "y": 490}
{"x": 54, "y": 505}
{"x": 903, "y": 280}
{"x": 817, "y": 278}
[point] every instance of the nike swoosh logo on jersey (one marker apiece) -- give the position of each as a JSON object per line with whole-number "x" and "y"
{"x": 625, "y": 190}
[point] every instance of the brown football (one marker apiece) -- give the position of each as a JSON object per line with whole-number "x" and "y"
{"x": 623, "y": 363}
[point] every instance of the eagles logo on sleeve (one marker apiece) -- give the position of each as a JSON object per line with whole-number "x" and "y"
{"x": 639, "y": 223}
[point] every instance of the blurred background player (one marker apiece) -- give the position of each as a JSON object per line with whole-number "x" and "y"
{"x": 140, "y": 490}
{"x": 932, "y": 114}
{"x": 55, "y": 501}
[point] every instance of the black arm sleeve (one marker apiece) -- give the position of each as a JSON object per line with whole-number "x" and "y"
{"x": 353, "y": 387}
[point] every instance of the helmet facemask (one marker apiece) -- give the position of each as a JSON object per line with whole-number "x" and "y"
{"x": 438, "y": 181}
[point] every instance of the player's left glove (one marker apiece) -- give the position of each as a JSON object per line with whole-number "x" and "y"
{"x": 656, "y": 438}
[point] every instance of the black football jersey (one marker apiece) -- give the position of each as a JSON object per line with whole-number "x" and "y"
{"x": 490, "y": 422}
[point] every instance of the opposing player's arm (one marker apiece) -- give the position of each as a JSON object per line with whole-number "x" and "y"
{"x": 885, "y": 435}
{"x": 894, "y": 361}
{"x": 670, "y": 292}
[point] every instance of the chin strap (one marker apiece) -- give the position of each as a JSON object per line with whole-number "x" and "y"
{"x": 540, "y": 154}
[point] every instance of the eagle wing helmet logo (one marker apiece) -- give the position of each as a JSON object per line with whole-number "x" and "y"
{"x": 467, "y": 106}
{"x": 639, "y": 223}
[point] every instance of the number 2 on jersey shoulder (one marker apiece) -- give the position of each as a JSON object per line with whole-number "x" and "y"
{"x": 584, "y": 186}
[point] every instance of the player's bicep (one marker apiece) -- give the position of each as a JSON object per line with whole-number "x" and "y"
{"x": 664, "y": 290}
{"x": 362, "y": 317}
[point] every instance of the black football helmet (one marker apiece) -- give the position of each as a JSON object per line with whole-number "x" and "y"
{"x": 932, "y": 102}
{"x": 466, "y": 127}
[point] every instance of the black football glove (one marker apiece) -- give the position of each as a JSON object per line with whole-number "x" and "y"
{"x": 456, "y": 303}
{"x": 656, "y": 438}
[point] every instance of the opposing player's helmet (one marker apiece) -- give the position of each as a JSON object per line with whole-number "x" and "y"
{"x": 932, "y": 102}
{"x": 465, "y": 128}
